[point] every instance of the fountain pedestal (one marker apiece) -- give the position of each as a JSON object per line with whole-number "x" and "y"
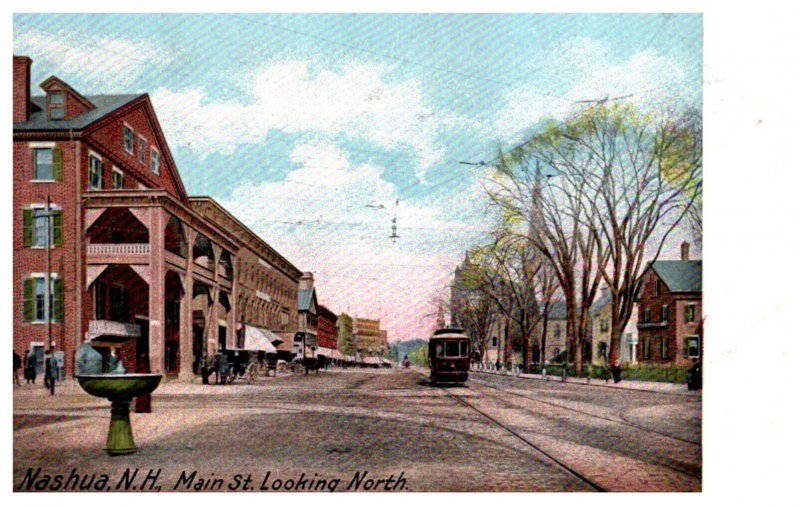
{"x": 119, "y": 389}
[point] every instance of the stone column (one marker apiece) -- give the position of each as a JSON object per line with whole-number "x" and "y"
{"x": 157, "y": 288}
{"x": 186, "y": 319}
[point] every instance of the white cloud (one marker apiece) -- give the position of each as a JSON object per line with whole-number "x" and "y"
{"x": 358, "y": 102}
{"x": 591, "y": 72}
{"x": 318, "y": 218}
{"x": 107, "y": 65}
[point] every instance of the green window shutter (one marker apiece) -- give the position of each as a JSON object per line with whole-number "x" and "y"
{"x": 58, "y": 300}
{"x": 58, "y": 230}
{"x": 57, "y": 174}
{"x": 27, "y": 228}
{"x": 27, "y": 300}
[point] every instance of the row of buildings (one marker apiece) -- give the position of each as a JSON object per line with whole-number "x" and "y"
{"x": 109, "y": 248}
{"x": 665, "y": 327}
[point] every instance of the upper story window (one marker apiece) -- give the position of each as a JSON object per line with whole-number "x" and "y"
{"x": 127, "y": 139}
{"x": 557, "y": 331}
{"x": 664, "y": 313}
{"x": 604, "y": 325}
{"x": 43, "y": 164}
{"x": 142, "y": 149}
{"x": 656, "y": 287}
{"x": 155, "y": 161}
{"x": 39, "y": 228}
{"x": 646, "y": 316}
{"x": 117, "y": 179}
{"x": 688, "y": 313}
{"x": 95, "y": 173}
{"x": 35, "y": 296}
{"x": 55, "y": 106}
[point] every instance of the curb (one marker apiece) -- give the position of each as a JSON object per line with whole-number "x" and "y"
{"x": 573, "y": 381}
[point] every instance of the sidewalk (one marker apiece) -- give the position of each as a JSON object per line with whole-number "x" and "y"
{"x": 631, "y": 385}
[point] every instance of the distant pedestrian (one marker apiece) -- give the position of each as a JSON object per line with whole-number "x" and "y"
{"x": 30, "y": 367}
{"x": 50, "y": 371}
{"x": 616, "y": 372}
{"x": 17, "y": 365}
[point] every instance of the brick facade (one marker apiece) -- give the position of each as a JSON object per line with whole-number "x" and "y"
{"x": 662, "y": 340}
{"x": 137, "y": 267}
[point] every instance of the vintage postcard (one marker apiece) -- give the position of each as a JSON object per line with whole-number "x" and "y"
{"x": 358, "y": 252}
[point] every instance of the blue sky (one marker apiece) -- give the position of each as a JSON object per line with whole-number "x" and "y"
{"x": 297, "y": 122}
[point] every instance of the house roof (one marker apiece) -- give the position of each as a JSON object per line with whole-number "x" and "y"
{"x": 105, "y": 104}
{"x": 305, "y": 299}
{"x": 557, "y": 310}
{"x": 600, "y": 303}
{"x": 680, "y": 275}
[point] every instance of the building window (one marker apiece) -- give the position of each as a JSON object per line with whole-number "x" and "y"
{"x": 56, "y": 105}
{"x": 656, "y": 287}
{"x": 95, "y": 173}
{"x": 43, "y": 164}
{"x": 646, "y": 349}
{"x": 172, "y": 312}
{"x": 117, "y": 179}
{"x": 127, "y": 139}
{"x": 664, "y": 313}
{"x": 604, "y": 325}
{"x": 155, "y": 161}
{"x": 494, "y": 341}
{"x": 119, "y": 304}
{"x": 37, "y": 229}
{"x": 688, "y": 313}
{"x": 100, "y": 292}
{"x": 665, "y": 348}
{"x": 34, "y": 296}
{"x": 142, "y": 148}
{"x": 646, "y": 316}
{"x": 691, "y": 346}
{"x": 602, "y": 350}
{"x": 557, "y": 331}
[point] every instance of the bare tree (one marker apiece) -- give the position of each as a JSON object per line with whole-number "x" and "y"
{"x": 598, "y": 193}
{"x": 471, "y": 306}
{"x": 511, "y": 274}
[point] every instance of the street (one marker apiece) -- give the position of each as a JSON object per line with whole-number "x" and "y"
{"x": 365, "y": 430}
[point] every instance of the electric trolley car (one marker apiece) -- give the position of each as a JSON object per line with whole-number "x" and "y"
{"x": 448, "y": 353}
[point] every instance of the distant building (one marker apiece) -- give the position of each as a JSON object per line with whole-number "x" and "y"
{"x": 601, "y": 332}
{"x": 369, "y": 338}
{"x": 670, "y": 311}
{"x": 326, "y": 332}
{"x": 305, "y": 341}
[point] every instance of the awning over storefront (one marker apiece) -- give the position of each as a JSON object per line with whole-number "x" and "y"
{"x": 259, "y": 339}
{"x": 327, "y": 352}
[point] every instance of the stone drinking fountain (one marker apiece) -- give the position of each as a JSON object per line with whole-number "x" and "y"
{"x": 118, "y": 387}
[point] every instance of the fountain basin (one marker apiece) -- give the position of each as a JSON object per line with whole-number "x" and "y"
{"x": 116, "y": 387}
{"x": 119, "y": 389}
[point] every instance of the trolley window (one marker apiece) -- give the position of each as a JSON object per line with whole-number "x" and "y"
{"x": 439, "y": 349}
{"x": 451, "y": 349}
{"x": 464, "y": 348}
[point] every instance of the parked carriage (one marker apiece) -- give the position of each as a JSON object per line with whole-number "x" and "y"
{"x": 448, "y": 353}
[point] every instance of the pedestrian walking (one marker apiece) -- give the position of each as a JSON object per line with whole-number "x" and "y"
{"x": 30, "y": 367}
{"x": 50, "y": 371}
{"x": 17, "y": 365}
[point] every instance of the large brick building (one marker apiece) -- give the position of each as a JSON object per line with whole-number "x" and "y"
{"x": 670, "y": 310}
{"x": 105, "y": 228}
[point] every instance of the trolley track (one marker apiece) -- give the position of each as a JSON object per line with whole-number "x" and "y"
{"x": 622, "y": 420}
{"x": 560, "y": 464}
{"x": 667, "y": 463}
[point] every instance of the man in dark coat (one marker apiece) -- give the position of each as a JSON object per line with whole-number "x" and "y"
{"x": 50, "y": 371}
{"x": 17, "y": 365}
{"x": 30, "y": 367}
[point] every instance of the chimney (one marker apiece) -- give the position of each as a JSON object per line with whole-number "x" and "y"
{"x": 22, "y": 88}
{"x": 685, "y": 251}
{"x": 306, "y": 281}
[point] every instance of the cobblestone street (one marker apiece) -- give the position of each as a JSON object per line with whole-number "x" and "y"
{"x": 359, "y": 427}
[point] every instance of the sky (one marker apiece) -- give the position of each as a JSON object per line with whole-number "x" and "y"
{"x": 322, "y": 131}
